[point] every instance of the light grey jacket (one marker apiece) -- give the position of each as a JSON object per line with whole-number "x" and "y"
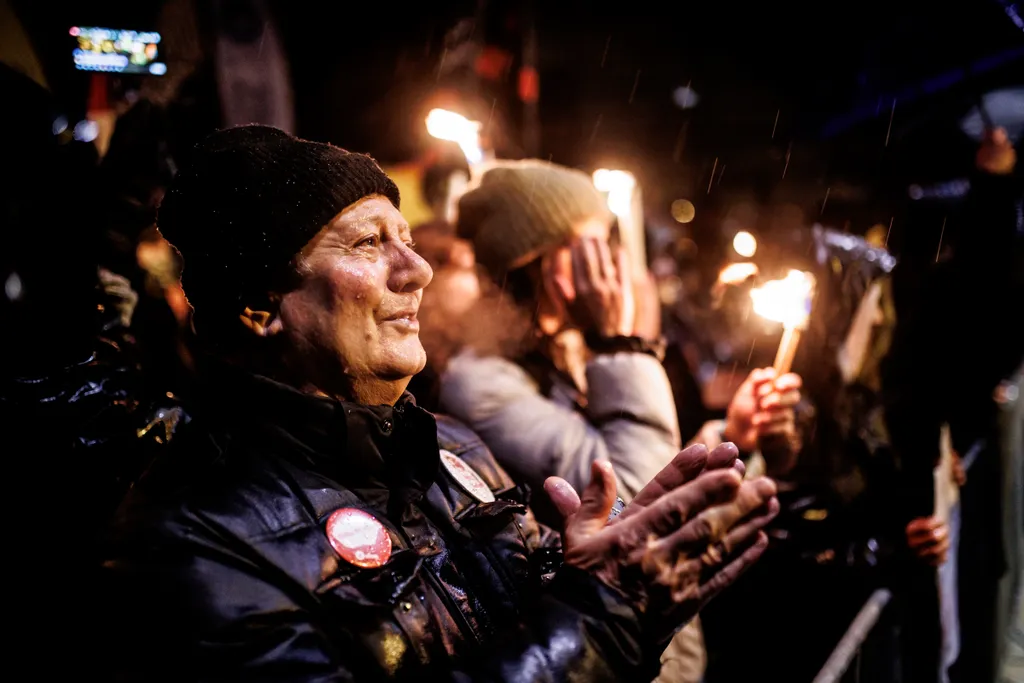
{"x": 629, "y": 419}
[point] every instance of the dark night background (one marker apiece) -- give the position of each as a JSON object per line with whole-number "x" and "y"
{"x": 365, "y": 74}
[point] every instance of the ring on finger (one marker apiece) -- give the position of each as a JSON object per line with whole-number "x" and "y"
{"x": 617, "y": 508}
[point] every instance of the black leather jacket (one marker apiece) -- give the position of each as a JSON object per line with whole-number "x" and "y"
{"x": 75, "y": 436}
{"x": 84, "y": 432}
{"x": 220, "y": 567}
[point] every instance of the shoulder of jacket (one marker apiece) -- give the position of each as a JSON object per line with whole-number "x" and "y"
{"x": 208, "y": 486}
{"x": 469, "y": 366}
{"x": 453, "y": 435}
{"x": 471, "y": 384}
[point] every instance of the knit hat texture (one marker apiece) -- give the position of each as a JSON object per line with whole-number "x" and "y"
{"x": 246, "y": 204}
{"x": 521, "y": 208}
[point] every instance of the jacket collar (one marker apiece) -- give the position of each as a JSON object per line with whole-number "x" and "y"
{"x": 370, "y": 448}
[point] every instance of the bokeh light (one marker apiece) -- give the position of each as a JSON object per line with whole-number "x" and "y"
{"x": 745, "y": 244}
{"x": 683, "y": 210}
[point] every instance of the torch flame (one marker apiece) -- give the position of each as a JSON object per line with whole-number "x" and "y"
{"x": 447, "y": 125}
{"x": 735, "y": 273}
{"x": 619, "y": 186}
{"x": 786, "y": 301}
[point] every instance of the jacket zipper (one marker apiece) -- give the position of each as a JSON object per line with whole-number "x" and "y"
{"x": 453, "y": 607}
{"x": 498, "y": 568}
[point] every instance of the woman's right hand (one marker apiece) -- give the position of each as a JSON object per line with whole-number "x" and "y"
{"x": 604, "y": 300}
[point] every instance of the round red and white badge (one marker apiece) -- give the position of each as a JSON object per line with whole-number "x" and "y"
{"x": 359, "y": 538}
{"x": 466, "y": 477}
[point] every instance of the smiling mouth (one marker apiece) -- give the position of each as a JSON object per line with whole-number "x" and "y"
{"x": 405, "y": 318}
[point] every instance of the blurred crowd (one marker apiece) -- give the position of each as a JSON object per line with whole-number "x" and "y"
{"x": 893, "y": 444}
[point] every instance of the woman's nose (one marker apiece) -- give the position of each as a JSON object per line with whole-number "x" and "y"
{"x": 409, "y": 271}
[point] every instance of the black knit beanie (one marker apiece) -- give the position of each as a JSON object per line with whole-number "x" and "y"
{"x": 246, "y": 204}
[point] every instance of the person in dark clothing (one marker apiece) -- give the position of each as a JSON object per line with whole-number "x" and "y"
{"x": 319, "y": 525}
{"x": 135, "y": 172}
{"x": 77, "y": 424}
{"x": 70, "y": 379}
{"x": 950, "y": 353}
{"x": 833, "y": 541}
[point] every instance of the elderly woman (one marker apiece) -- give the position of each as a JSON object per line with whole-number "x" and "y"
{"x": 319, "y": 526}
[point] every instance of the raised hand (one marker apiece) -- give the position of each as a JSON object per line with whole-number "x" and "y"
{"x": 690, "y": 532}
{"x": 762, "y": 416}
{"x": 604, "y": 299}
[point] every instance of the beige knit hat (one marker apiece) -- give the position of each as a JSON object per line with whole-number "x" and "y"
{"x": 518, "y": 209}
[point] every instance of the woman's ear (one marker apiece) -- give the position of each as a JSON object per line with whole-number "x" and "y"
{"x": 263, "y": 322}
{"x": 556, "y": 275}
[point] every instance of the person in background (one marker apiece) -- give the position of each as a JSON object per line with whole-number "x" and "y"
{"x": 568, "y": 372}
{"x": 318, "y": 525}
{"x": 828, "y": 540}
{"x": 455, "y": 287}
{"x": 453, "y": 292}
{"x": 71, "y": 379}
{"x": 948, "y": 359}
{"x": 444, "y": 180}
{"x": 77, "y": 424}
{"x": 135, "y": 172}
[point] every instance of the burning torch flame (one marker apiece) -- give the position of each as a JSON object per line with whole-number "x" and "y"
{"x": 734, "y": 273}
{"x": 619, "y": 186}
{"x": 447, "y": 125}
{"x": 786, "y": 301}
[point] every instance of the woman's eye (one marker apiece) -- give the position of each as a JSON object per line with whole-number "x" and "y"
{"x": 369, "y": 241}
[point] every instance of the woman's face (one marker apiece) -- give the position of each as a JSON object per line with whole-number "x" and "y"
{"x": 356, "y": 306}
{"x": 456, "y": 286}
{"x": 552, "y": 312}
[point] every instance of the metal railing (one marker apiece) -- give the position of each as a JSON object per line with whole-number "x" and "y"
{"x": 849, "y": 646}
{"x": 1010, "y": 399}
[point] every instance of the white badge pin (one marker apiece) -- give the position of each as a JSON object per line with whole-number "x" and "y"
{"x": 466, "y": 477}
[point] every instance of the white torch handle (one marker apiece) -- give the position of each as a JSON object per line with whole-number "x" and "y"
{"x": 787, "y": 349}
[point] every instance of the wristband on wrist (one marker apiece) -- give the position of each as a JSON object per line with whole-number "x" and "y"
{"x": 623, "y": 344}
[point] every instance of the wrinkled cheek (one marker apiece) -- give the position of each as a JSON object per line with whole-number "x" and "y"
{"x": 356, "y": 285}
{"x": 354, "y": 297}
{"x": 352, "y": 321}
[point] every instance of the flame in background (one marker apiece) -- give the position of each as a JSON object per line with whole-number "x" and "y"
{"x": 447, "y": 125}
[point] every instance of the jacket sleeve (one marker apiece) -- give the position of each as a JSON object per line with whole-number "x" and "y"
{"x": 197, "y": 611}
{"x": 630, "y": 420}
